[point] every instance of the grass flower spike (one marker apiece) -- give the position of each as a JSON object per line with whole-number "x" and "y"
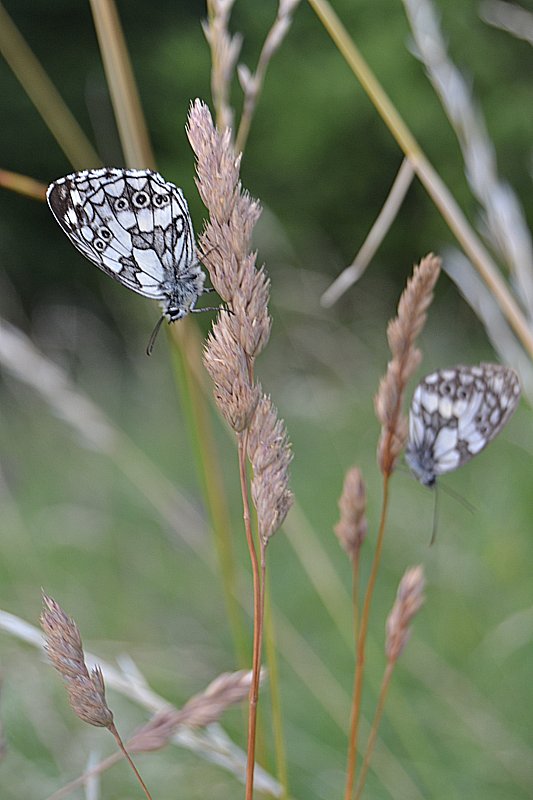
{"x": 402, "y": 333}
{"x": 237, "y": 338}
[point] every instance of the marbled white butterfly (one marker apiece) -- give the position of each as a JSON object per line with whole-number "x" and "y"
{"x": 455, "y": 413}
{"x": 136, "y": 227}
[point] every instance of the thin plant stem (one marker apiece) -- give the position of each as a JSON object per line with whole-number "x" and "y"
{"x": 365, "y": 615}
{"x": 374, "y": 729}
{"x": 112, "y": 729}
{"x": 44, "y": 95}
{"x": 124, "y": 95}
{"x": 375, "y": 236}
{"x": 22, "y": 184}
{"x": 258, "y": 596}
{"x": 186, "y": 349}
{"x": 275, "y": 695}
{"x": 352, "y": 751}
{"x": 138, "y": 151}
{"x": 272, "y": 42}
{"x": 428, "y": 176}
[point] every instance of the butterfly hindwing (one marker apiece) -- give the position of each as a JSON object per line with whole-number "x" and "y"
{"x": 455, "y": 413}
{"x": 136, "y": 227}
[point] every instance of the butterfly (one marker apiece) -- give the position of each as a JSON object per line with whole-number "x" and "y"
{"x": 135, "y": 227}
{"x": 455, "y": 413}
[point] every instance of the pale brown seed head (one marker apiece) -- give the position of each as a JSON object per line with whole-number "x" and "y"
{"x": 238, "y": 338}
{"x": 226, "y": 362}
{"x": 227, "y": 235}
{"x": 409, "y": 599}
{"x": 251, "y": 321}
{"x": 86, "y": 692}
{"x": 217, "y": 166}
{"x": 207, "y": 707}
{"x": 201, "y": 710}
{"x": 402, "y": 332}
{"x": 351, "y": 528}
{"x": 270, "y": 454}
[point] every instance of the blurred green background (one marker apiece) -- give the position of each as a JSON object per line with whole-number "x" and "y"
{"x": 458, "y": 719}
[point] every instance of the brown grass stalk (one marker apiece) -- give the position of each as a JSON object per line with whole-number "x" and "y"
{"x": 375, "y": 236}
{"x": 351, "y": 756}
{"x": 22, "y": 184}
{"x": 430, "y": 179}
{"x": 225, "y": 49}
{"x": 236, "y": 339}
{"x": 351, "y": 531}
{"x": 44, "y": 95}
{"x": 201, "y": 710}
{"x": 409, "y": 600}
{"x": 361, "y": 639}
{"x": 129, "y": 116}
{"x": 252, "y": 83}
{"x": 402, "y": 332}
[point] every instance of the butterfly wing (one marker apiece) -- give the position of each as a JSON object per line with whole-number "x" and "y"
{"x": 132, "y": 224}
{"x": 455, "y": 413}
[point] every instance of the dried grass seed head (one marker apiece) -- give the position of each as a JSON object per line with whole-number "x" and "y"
{"x": 226, "y": 362}
{"x": 402, "y": 332}
{"x": 86, "y": 692}
{"x": 251, "y": 322}
{"x": 409, "y": 599}
{"x": 270, "y": 454}
{"x": 351, "y": 528}
{"x": 207, "y": 707}
{"x": 220, "y": 261}
{"x": 267, "y": 436}
{"x": 237, "y": 338}
{"x": 201, "y": 710}
{"x": 272, "y": 500}
{"x": 217, "y": 166}
{"x": 225, "y": 50}
{"x": 226, "y": 240}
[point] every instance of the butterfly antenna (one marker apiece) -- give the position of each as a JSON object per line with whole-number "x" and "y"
{"x": 153, "y": 335}
{"x": 211, "y": 308}
{"x": 435, "y": 516}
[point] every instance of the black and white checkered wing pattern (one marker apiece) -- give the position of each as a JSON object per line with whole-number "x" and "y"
{"x": 135, "y": 226}
{"x": 455, "y": 413}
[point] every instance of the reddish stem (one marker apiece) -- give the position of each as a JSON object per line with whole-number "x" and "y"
{"x": 120, "y": 743}
{"x": 258, "y": 619}
{"x": 352, "y": 752}
{"x": 361, "y": 639}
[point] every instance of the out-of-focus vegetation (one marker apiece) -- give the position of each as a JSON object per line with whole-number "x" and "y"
{"x": 458, "y": 719}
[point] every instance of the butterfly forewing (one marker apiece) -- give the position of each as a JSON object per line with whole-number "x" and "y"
{"x": 136, "y": 227}
{"x": 455, "y": 413}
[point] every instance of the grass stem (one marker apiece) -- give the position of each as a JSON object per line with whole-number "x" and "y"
{"x": 187, "y": 359}
{"x": 374, "y": 729}
{"x": 428, "y": 176}
{"x": 112, "y": 729}
{"x": 352, "y": 750}
{"x": 365, "y": 616}
{"x": 258, "y": 615}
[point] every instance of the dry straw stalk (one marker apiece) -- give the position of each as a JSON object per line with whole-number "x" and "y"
{"x": 238, "y": 336}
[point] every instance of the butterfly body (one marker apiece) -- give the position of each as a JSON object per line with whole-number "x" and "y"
{"x": 455, "y": 413}
{"x": 135, "y": 227}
